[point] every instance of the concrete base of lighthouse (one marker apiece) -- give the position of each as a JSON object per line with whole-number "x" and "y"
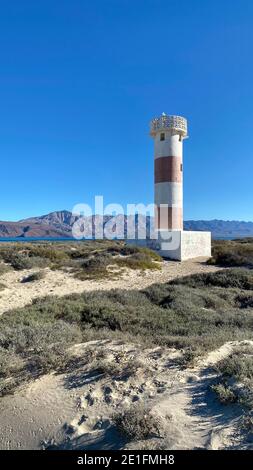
{"x": 179, "y": 245}
{"x": 182, "y": 245}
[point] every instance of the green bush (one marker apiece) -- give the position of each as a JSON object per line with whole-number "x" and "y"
{"x": 225, "y": 394}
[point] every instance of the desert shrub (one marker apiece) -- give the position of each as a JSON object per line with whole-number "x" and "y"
{"x": 33, "y": 349}
{"x": 123, "y": 250}
{"x": 188, "y": 357}
{"x": 237, "y": 365}
{"x": 225, "y": 394}
{"x": 238, "y": 368}
{"x": 137, "y": 423}
{"x": 228, "y": 259}
{"x": 235, "y": 278}
{"x": 186, "y": 299}
{"x": 245, "y": 300}
{"x": 53, "y": 357}
{"x": 11, "y": 367}
{"x": 247, "y": 422}
{"x": 127, "y": 250}
{"x": 150, "y": 444}
{"x": 96, "y": 266}
{"x": 33, "y": 254}
{"x": 21, "y": 261}
{"x": 120, "y": 369}
{"x": 34, "y": 337}
{"x": 139, "y": 260}
{"x": 7, "y": 387}
{"x": 96, "y": 263}
{"x": 5, "y": 251}
{"x": 232, "y": 253}
{"x": 3, "y": 268}
{"x": 47, "y": 252}
{"x": 87, "y": 260}
{"x": 34, "y": 277}
{"x": 86, "y": 248}
{"x": 151, "y": 254}
{"x": 174, "y": 315}
{"x": 9, "y": 362}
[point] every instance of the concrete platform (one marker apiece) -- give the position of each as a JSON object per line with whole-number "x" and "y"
{"x": 179, "y": 245}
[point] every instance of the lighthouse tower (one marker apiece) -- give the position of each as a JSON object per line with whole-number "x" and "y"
{"x": 168, "y": 133}
{"x": 173, "y": 242}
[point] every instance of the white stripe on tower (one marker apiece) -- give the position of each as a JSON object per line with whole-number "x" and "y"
{"x": 168, "y": 132}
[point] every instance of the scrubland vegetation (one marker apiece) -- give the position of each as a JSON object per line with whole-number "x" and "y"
{"x": 232, "y": 252}
{"x": 196, "y": 313}
{"x": 86, "y": 260}
{"x": 235, "y": 384}
{"x": 236, "y": 378}
{"x": 137, "y": 423}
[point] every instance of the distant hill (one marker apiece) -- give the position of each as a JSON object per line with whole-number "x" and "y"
{"x": 26, "y": 230}
{"x": 222, "y": 228}
{"x": 59, "y": 225}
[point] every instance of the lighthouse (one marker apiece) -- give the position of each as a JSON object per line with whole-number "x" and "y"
{"x": 169, "y": 132}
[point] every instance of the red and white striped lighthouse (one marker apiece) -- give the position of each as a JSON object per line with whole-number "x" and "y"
{"x": 168, "y": 133}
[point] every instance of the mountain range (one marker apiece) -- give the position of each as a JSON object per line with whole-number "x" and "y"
{"x": 59, "y": 225}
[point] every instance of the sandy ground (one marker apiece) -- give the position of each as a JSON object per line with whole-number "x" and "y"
{"x": 74, "y": 410}
{"x": 17, "y": 294}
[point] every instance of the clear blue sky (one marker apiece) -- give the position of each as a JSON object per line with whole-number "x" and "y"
{"x": 81, "y": 79}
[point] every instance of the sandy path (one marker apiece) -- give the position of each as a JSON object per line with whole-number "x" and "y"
{"x": 17, "y": 294}
{"x": 189, "y": 414}
{"x": 197, "y": 420}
